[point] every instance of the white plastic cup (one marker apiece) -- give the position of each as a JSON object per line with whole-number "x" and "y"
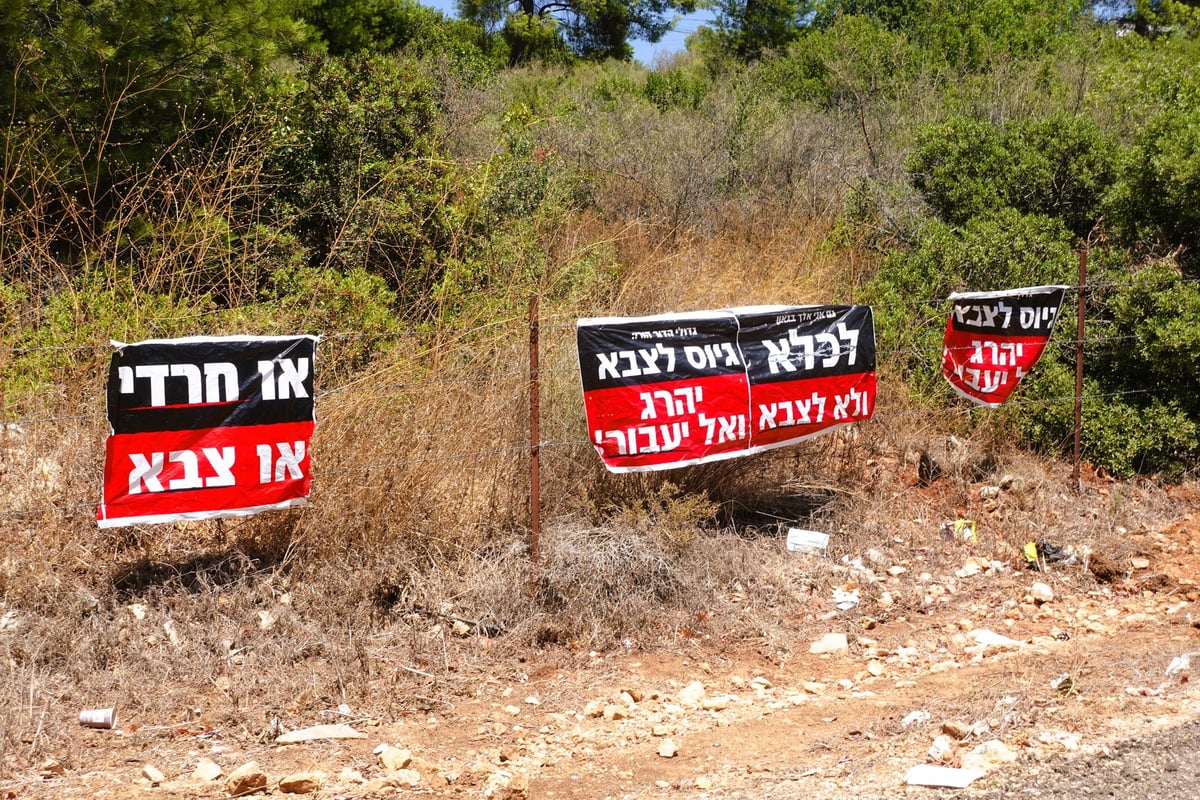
{"x": 98, "y": 718}
{"x": 802, "y": 541}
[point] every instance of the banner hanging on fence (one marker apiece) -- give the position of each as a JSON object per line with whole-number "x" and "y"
{"x": 993, "y": 339}
{"x": 671, "y": 390}
{"x": 206, "y": 427}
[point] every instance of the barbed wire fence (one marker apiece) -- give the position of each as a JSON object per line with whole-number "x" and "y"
{"x": 536, "y": 399}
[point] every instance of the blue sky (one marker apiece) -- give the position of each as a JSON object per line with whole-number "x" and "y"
{"x": 642, "y": 51}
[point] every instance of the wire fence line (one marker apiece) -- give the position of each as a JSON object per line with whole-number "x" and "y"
{"x": 562, "y": 371}
{"x": 548, "y": 322}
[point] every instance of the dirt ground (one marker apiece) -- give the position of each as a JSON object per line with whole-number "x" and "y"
{"x": 1060, "y": 682}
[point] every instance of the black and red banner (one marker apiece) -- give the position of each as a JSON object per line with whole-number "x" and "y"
{"x": 993, "y": 339}
{"x": 676, "y": 389}
{"x": 205, "y": 427}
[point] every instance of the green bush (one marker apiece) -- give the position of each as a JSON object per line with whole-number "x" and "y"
{"x": 675, "y": 88}
{"x": 1058, "y": 166}
{"x": 1155, "y": 206}
{"x": 64, "y": 348}
{"x": 364, "y": 174}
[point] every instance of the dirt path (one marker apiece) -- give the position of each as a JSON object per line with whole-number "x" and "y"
{"x": 848, "y": 723}
{"x": 1050, "y": 684}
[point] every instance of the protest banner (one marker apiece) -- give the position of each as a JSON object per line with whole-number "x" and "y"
{"x": 671, "y": 390}
{"x": 205, "y": 427}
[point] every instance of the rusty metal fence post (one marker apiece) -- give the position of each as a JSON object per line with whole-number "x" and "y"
{"x": 1080, "y": 301}
{"x": 534, "y": 433}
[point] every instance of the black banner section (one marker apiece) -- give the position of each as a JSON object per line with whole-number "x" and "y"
{"x": 819, "y": 342}
{"x": 672, "y": 390}
{"x": 993, "y": 340}
{"x": 623, "y": 351}
{"x": 1029, "y": 312}
{"x": 207, "y": 427}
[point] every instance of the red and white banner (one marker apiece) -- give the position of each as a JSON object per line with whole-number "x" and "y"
{"x": 206, "y": 427}
{"x": 993, "y": 339}
{"x": 671, "y": 390}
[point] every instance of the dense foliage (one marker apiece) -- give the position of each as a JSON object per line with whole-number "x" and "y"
{"x": 318, "y": 165}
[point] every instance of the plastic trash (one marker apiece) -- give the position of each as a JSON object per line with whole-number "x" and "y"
{"x": 98, "y": 718}
{"x": 959, "y": 530}
{"x": 802, "y": 541}
{"x": 1042, "y": 552}
{"x": 1063, "y": 684}
{"x": 845, "y": 600}
{"x": 948, "y": 777}
{"x": 1179, "y": 665}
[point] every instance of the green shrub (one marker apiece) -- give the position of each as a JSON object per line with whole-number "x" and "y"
{"x": 675, "y": 88}
{"x": 364, "y": 174}
{"x": 1155, "y": 206}
{"x": 1057, "y": 166}
{"x": 64, "y": 350}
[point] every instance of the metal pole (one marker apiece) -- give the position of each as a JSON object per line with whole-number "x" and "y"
{"x": 535, "y": 488}
{"x": 1080, "y": 301}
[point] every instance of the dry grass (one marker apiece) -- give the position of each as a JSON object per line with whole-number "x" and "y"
{"x": 411, "y": 565}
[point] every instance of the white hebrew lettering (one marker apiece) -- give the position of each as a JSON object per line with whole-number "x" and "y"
{"x": 673, "y": 435}
{"x": 222, "y": 463}
{"x": 290, "y": 381}
{"x": 157, "y": 374}
{"x": 191, "y": 470}
{"x": 608, "y": 364}
{"x": 779, "y": 357}
{"x": 146, "y": 472}
{"x": 220, "y": 382}
{"x": 194, "y": 382}
{"x": 272, "y": 470}
{"x": 849, "y": 335}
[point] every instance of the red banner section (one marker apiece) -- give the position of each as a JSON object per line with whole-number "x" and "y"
{"x": 207, "y": 427}
{"x": 677, "y": 389}
{"x": 993, "y": 339}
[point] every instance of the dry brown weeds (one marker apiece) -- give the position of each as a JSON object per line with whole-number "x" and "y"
{"x": 411, "y": 565}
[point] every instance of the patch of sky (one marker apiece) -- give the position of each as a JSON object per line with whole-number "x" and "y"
{"x": 674, "y": 41}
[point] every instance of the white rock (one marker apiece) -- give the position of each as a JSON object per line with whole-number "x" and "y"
{"x": 207, "y": 770}
{"x": 692, "y": 694}
{"x": 300, "y": 783}
{"x": 988, "y": 638}
{"x": 393, "y": 758}
{"x": 153, "y": 774}
{"x": 1041, "y": 592}
{"x": 941, "y": 748}
{"x": 405, "y": 777}
{"x": 614, "y": 712}
{"x": 351, "y": 775}
{"x": 667, "y": 749}
{"x": 988, "y": 756}
{"x": 830, "y": 643}
{"x": 247, "y": 778}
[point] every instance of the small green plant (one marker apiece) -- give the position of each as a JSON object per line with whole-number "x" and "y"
{"x": 667, "y": 513}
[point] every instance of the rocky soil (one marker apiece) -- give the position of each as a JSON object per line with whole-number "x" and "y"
{"x": 1068, "y": 681}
